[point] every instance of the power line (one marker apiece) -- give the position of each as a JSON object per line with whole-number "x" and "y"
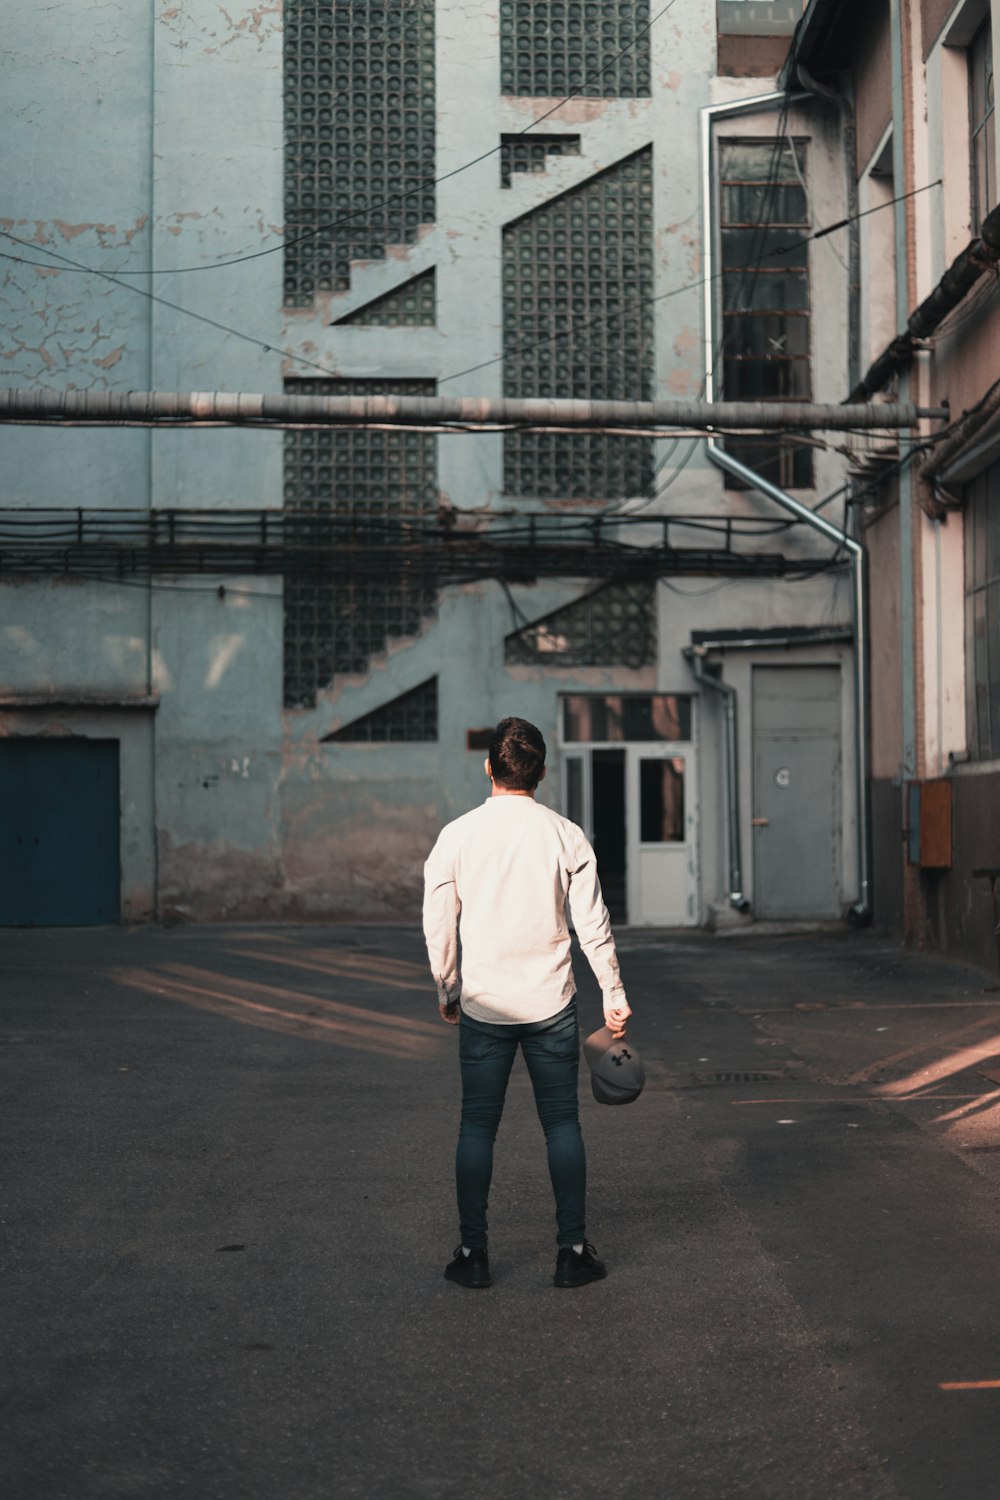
{"x": 73, "y": 265}
{"x": 689, "y": 286}
{"x": 268, "y": 346}
{"x": 427, "y": 182}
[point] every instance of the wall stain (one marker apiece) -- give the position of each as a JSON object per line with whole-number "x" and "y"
{"x": 110, "y": 360}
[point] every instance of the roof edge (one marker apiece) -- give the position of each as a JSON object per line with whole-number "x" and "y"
{"x": 817, "y": 21}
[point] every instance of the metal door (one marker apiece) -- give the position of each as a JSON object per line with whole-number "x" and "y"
{"x": 798, "y": 777}
{"x": 59, "y": 832}
{"x": 662, "y": 874}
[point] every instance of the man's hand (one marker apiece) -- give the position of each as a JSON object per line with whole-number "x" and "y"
{"x": 452, "y": 1012}
{"x": 616, "y": 1017}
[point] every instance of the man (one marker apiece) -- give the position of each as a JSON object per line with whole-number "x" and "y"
{"x": 505, "y": 874}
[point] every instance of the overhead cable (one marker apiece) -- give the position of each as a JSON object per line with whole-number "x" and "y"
{"x": 269, "y": 347}
{"x": 395, "y": 198}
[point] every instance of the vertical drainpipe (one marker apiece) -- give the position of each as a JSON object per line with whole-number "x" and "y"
{"x": 710, "y": 113}
{"x": 695, "y": 656}
{"x": 151, "y": 386}
{"x": 861, "y": 912}
{"x": 907, "y": 601}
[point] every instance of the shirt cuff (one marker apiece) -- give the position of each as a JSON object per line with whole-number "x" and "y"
{"x": 449, "y": 991}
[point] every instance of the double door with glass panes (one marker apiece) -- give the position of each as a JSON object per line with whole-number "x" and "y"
{"x": 627, "y": 779}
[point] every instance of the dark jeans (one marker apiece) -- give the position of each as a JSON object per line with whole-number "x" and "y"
{"x": 552, "y": 1052}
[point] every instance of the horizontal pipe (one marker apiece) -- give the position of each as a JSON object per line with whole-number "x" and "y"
{"x": 238, "y": 409}
{"x": 819, "y": 637}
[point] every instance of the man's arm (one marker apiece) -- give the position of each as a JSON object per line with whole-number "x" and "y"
{"x": 593, "y": 928}
{"x": 441, "y": 910}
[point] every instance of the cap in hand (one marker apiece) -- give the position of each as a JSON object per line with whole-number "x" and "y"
{"x": 616, "y": 1071}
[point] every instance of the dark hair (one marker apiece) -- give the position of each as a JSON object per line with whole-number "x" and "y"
{"x": 517, "y": 755}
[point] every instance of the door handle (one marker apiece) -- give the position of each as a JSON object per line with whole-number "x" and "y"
{"x": 760, "y": 822}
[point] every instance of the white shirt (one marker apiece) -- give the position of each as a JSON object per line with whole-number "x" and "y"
{"x": 502, "y": 877}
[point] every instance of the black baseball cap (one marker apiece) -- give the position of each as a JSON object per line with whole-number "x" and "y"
{"x": 616, "y": 1071}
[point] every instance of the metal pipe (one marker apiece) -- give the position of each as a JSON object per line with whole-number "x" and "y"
{"x": 235, "y": 409}
{"x": 901, "y": 71}
{"x": 695, "y": 656}
{"x": 821, "y": 636}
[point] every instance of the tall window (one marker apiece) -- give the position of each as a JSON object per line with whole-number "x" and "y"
{"x": 764, "y": 346}
{"x": 981, "y": 125}
{"x": 982, "y": 614}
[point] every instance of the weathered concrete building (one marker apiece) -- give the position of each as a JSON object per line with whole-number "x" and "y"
{"x": 588, "y": 198}
{"x": 919, "y": 81}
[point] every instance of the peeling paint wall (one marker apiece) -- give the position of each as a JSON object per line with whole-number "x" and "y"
{"x": 78, "y": 183}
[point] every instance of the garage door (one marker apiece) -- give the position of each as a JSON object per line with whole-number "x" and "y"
{"x": 58, "y": 832}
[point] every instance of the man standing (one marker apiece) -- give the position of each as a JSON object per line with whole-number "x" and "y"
{"x": 504, "y": 874}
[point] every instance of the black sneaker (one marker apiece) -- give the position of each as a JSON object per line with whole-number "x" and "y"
{"x": 577, "y": 1267}
{"x": 472, "y": 1270}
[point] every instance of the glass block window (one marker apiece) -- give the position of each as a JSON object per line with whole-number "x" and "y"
{"x": 578, "y": 321}
{"x": 982, "y": 614}
{"x": 347, "y": 473}
{"x": 551, "y": 48}
{"x": 611, "y": 626}
{"x": 359, "y": 131}
{"x": 530, "y": 153}
{"x": 765, "y": 351}
{"x": 338, "y": 627}
{"x": 412, "y": 717}
{"x": 412, "y": 305}
{"x": 981, "y": 126}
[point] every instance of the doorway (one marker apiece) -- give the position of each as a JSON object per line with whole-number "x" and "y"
{"x": 59, "y": 832}
{"x": 627, "y": 778}
{"x": 607, "y": 780}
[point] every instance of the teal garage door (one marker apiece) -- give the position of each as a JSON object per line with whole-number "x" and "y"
{"x": 58, "y": 832}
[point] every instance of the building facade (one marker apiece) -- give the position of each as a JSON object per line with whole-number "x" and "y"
{"x": 916, "y": 81}
{"x": 585, "y": 198}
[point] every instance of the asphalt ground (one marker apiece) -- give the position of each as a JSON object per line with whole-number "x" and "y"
{"x": 227, "y": 1206}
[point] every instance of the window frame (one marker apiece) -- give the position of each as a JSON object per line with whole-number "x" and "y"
{"x": 981, "y": 601}
{"x": 982, "y": 126}
{"x": 791, "y": 461}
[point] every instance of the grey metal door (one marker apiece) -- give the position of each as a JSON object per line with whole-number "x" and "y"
{"x": 797, "y": 775}
{"x": 59, "y": 832}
